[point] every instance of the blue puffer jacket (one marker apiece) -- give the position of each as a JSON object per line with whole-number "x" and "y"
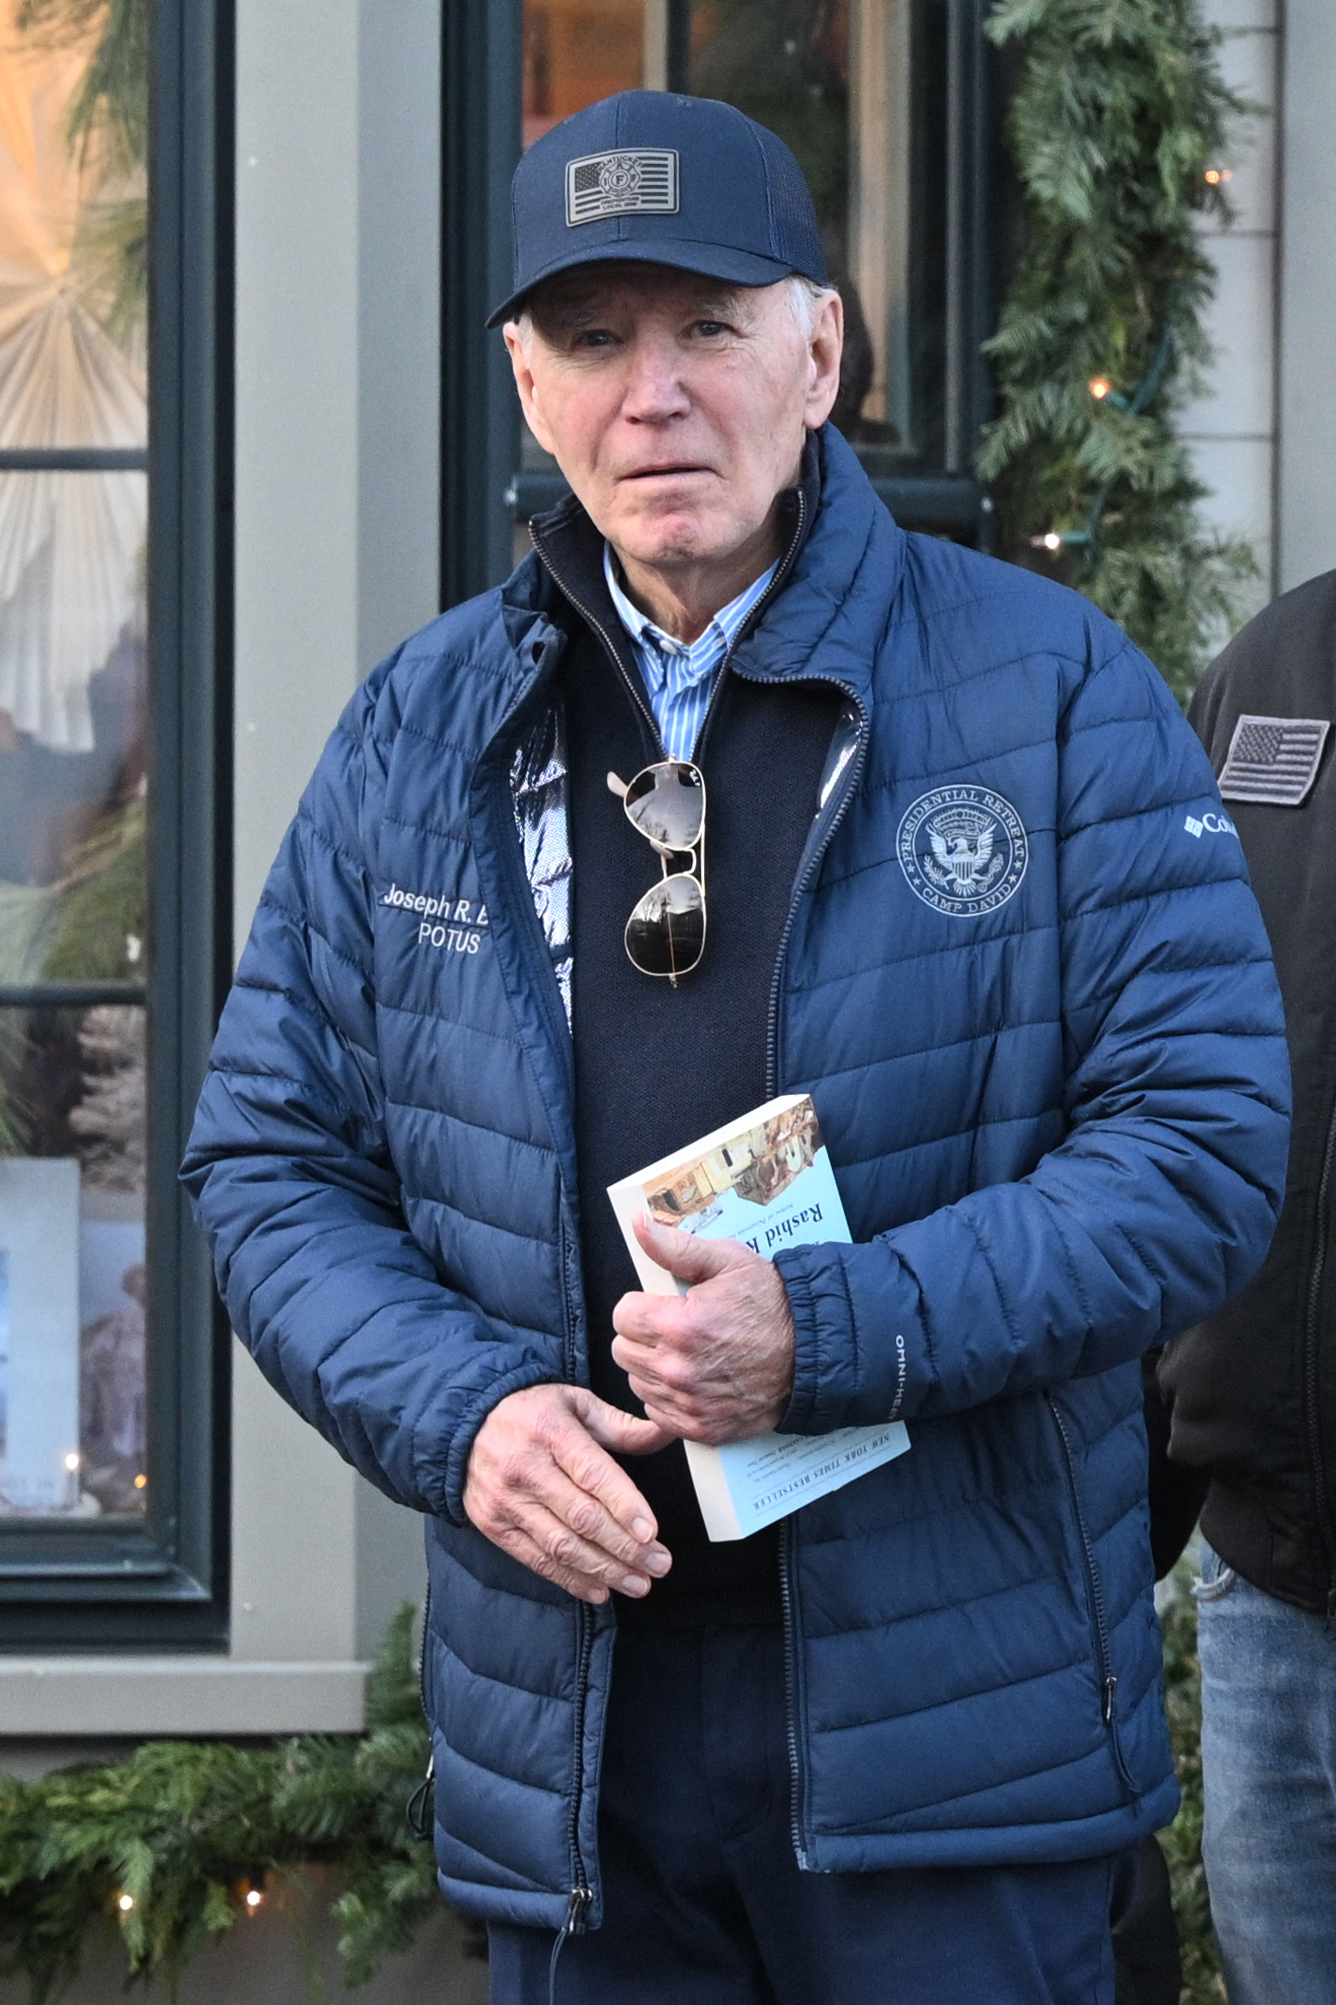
{"x": 1026, "y": 982}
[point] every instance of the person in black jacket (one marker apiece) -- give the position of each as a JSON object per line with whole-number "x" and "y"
{"x": 1254, "y": 1387}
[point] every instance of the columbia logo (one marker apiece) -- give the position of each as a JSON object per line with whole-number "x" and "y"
{"x": 1209, "y": 824}
{"x": 621, "y": 184}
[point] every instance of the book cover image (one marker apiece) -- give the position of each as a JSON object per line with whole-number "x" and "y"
{"x": 769, "y": 1186}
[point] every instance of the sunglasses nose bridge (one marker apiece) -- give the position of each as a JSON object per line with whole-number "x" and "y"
{"x": 679, "y": 854}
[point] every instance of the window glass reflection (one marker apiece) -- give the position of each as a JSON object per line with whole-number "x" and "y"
{"x": 577, "y": 51}
{"x": 73, "y": 809}
{"x": 72, "y": 1261}
{"x": 73, "y": 105}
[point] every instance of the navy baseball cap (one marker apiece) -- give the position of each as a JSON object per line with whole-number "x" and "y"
{"x": 649, "y": 175}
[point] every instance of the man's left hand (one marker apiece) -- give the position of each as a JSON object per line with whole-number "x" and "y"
{"x": 716, "y": 1364}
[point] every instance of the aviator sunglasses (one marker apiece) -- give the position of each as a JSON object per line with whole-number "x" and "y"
{"x": 665, "y": 934}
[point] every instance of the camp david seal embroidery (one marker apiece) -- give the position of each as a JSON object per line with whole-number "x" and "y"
{"x": 963, "y": 850}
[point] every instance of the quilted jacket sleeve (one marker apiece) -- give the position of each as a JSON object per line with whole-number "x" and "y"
{"x": 290, "y": 1173}
{"x": 1161, "y": 1200}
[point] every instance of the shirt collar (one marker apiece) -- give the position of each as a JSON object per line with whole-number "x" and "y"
{"x": 708, "y": 646}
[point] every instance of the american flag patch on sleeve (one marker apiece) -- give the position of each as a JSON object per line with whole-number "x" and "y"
{"x": 1273, "y": 760}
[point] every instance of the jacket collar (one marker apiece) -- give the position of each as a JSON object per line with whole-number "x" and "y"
{"x": 828, "y": 617}
{"x": 832, "y": 618}
{"x": 571, "y": 549}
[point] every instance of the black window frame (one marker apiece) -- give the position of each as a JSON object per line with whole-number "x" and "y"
{"x": 163, "y": 1584}
{"x": 483, "y": 494}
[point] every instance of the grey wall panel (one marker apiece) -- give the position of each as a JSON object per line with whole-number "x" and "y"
{"x": 1307, "y": 480}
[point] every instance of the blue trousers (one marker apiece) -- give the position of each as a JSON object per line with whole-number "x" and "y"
{"x": 1268, "y": 1745}
{"x": 704, "y": 1902}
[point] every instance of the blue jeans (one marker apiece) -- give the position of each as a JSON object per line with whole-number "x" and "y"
{"x": 704, "y": 1901}
{"x": 1269, "y": 1769}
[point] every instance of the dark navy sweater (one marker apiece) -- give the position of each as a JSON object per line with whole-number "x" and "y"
{"x": 656, "y": 1066}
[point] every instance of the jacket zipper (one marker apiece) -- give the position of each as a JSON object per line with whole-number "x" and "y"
{"x": 422, "y": 1659}
{"x": 581, "y": 1894}
{"x": 1312, "y": 1336}
{"x": 418, "y": 1822}
{"x": 848, "y": 787}
{"x": 1108, "y": 1682}
{"x": 788, "y": 1539}
{"x": 797, "y": 1807}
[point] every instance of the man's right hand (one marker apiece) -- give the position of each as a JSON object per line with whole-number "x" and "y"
{"x": 542, "y": 1485}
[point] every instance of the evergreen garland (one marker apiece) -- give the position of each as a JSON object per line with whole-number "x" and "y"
{"x": 1118, "y": 117}
{"x": 167, "y": 1845}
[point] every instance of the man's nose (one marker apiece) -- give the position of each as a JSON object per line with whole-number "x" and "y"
{"x": 655, "y": 387}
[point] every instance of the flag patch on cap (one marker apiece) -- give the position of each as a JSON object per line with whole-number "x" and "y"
{"x": 621, "y": 184}
{"x": 1273, "y": 759}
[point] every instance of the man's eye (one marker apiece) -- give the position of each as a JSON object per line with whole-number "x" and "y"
{"x": 594, "y": 337}
{"x": 710, "y": 327}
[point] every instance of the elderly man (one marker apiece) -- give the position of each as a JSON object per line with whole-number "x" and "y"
{"x": 956, "y": 882}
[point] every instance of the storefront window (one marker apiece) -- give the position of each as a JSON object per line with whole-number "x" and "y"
{"x": 74, "y": 931}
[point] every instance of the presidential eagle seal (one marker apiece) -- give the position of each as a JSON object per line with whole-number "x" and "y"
{"x": 963, "y": 849}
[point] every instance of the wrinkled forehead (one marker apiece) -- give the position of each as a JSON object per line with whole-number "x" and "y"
{"x": 574, "y": 299}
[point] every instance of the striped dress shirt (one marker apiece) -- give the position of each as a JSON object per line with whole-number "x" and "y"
{"x": 679, "y": 679}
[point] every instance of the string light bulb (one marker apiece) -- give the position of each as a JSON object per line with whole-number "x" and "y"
{"x": 1135, "y": 406}
{"x": 141, "y": 1482}
{"x": 254, "y": 1899}
{"x": 126, "y": 1903}
{"x": 1215, "y": 177}
{"x": 72, "y": 1461}
{"x": 251, "y": 1897}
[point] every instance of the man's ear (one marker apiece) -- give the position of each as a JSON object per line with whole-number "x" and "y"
{"x": 824, "y": 349}
{"x": 524, "y": 383}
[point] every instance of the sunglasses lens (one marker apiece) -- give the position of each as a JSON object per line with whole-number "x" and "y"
{"x": 665, "y": 935}
{"x": 667, "y": 803}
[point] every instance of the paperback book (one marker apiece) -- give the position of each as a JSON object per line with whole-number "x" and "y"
{"x": 766, "y": 1180}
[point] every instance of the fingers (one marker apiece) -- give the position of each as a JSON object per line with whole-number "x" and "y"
{"x": 607, "y": 1505}
{"x": 549, "y": 1547}
{"x": 622, "y": 1433}
{"x": 686, "y": 1257}
{"x": 542, "y": 1487}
